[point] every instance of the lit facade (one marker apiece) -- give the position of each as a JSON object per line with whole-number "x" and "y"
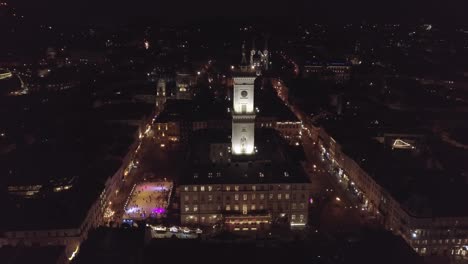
{"x": 160, "y": 95}
{"x": 427, "y": 235}
{"x": 243, "y": 116}
{"x": 245, "y": 205}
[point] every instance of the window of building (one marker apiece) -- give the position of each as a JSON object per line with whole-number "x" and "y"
{"x": 245, "y": 197}
{"x": 271, "y": 196}
{"x": 279, "y": 196}
{"x": 236, "y": 207}
{"x": 286, "y": 196}
{"x": 195, "y": 208}
{"x": 287, "y": 187}
{"x": 236, "y": 197}
{"x": 228, "y": 188}
{"x": 210, "y": 197}
{"x": 195, "y": 175}
{"x": 186, "y": 197}
{"x": 210, "y": 175}
{"x": 252, "y": 207}
{"x": 286, "y": 174}
{"x": 187, "y": 208}
{"x": 301, "y": 217}
{"x": 236, "y": 188}
{"x": 262, "y": 196}
{"x": 195, "y": 198}
{"x": 186, "y": 188}
{"x": 261, "y": 207}
{"x": 253, "y": 196}
{"x": 254, "y": 188}
{"x": 293, "y": 217}
{"x": 261, "y": 175}
{"x": 210, "y": 188}
{"x": 293, "y": 206}
{"x": 202, "y": 188}
{"x": 228, "y": 207}
{"x": 195, "y": 188}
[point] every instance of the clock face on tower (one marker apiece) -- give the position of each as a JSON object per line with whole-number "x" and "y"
{"x": 244, "y": 94}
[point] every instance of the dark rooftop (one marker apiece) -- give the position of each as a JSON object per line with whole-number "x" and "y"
{"x": 26, "y": 255}
{"x": 272, "y": 163}
{"x": 426, "y": 180}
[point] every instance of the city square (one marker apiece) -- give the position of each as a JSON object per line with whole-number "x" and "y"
{"x": 148, "y": 200}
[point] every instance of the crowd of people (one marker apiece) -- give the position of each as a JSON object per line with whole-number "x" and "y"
{"x": 148, "y": 200}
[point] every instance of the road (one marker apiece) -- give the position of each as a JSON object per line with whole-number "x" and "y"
{"x": 152, "y": 163}
{"x": 334, "y": 207}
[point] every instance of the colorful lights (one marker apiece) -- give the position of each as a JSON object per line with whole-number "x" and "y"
{"x": 159, "y": 210}
{"x": 131, "y": 210}
{"x": 160, "y": 188}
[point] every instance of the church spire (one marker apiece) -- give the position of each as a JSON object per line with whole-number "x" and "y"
{"x": 244, "y": 59}
{"x": 244, "y": 66}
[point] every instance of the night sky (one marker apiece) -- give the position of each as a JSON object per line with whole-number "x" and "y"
{"x": 453, "y": 11}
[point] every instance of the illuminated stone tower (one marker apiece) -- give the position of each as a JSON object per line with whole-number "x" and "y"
{"x": 266, "y": 55}
{"x": 243, "y": 113}
{"x": 160, "y": 94}
{"x": 253, "y": 51}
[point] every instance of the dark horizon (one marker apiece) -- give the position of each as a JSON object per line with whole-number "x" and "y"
{"x": 398, "y": 11}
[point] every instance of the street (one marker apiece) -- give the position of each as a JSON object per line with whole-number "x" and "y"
{"x": 333, "y": 207}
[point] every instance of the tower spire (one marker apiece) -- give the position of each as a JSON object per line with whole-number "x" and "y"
{"x": 244, "y": 66}
{"x": 244, "y": 59}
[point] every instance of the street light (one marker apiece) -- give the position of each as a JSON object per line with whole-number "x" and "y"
{"x": 338, "y": 199}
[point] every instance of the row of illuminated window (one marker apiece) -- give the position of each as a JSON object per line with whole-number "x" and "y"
{"x": 228, "y": 188}
{"x": 245, "y": 197}
{"x": 236, "y": 207}
{"x": 299, "y": 217}
{"x": 24, "y": 188}
{"x": 42, "y": 234}
{"x": 441, "y": 241}
{"x": 461, "y": 251}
